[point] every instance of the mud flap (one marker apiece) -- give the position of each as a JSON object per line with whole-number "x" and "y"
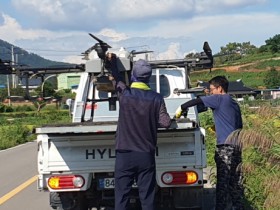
{"x": 188, "y": 197}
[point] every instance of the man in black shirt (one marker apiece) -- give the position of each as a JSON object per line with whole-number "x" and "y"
{"x": 141, "y": 112}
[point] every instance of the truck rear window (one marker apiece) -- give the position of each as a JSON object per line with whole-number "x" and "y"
{"x": 102, "y": 94}
{"x": 164, "y": 85}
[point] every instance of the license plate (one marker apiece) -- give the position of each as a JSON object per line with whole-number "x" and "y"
{"x": 109, "y": 183}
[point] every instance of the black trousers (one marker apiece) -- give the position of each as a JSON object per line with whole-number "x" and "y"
{"x": 138, "y": 166}
{"x": 229, "y": 178}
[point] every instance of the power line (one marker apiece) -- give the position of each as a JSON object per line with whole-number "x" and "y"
{"x": 18, "y": 50}
{"x": 51, "y": 50}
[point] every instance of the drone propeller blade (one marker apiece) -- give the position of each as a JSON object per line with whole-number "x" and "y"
{"x": 140, "y": 52}
{"x": 89, "y": 50}
{"x": 99, "y": 40}
{"x": 206, "y": 48}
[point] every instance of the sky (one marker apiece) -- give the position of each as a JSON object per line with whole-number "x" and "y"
{"x": 59, "y": 29}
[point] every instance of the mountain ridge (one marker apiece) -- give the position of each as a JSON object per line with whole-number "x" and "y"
{"x": 24, "y": 57}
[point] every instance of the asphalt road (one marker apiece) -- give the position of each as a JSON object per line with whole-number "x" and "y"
{"x": 18, "y": 190}
{"x": 18, "y": 187}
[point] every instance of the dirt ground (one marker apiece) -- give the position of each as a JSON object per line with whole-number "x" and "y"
{"x": 250, "y": 65}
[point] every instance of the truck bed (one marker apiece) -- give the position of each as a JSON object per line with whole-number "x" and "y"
{"x": 104, "y": 126}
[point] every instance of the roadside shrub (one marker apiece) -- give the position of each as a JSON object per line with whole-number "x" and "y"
{"x": 24, "y": 108}
{"x": 207, "y": 122}
{"x": 261, "y": 157}
{"x": 260, "y": 138}
{"x": 12, "y": 135}
{"x": 16, "y": 127}
{"x": 2, "y": 108}
{"x": 39, "y": 104}
{"x": 55, "y": 117}
{"x": 9, "y": 109}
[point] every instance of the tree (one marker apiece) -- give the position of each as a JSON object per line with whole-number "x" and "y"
{"x": 234, "y": 51}
{"x": 47, "y": 89}
{"x": 39, "y": 104}
{"x": 274, "y": 43}
{"x": 240, "y": 48}
{"x": 3, "y": 94}
{"x": 247, "y": 48}
{"x": 18, "y": 91}
{"x": 263, "y": 49}
{"x": 272, "y": 78}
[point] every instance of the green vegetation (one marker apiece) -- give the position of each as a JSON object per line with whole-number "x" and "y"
{"x": 238, "y": 53}
{"x": 261, "y": 154}
{"x": 266, "y": 64}
{"x": 250, "y": 79}
{"x": 272, "y": 78}
{"x": 257, "y": 67}
{"x": 17, "y": 127}
{"x": 261, "y": 142}
{"x": 272, "y": 44}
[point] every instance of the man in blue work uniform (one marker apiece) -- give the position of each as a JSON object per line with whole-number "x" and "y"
{"x": 228, "y": 121}
{"x": 141, "y": 112}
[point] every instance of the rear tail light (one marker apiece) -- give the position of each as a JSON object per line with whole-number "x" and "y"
{"x": 66, "y": 182}
{"x": 179, "y": 177}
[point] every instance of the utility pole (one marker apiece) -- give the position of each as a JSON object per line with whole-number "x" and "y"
{"x": 13, "y": 62}
{"x": 8, "y": 79}
{"x": 8, "y": 88}
{"x": 16, "y": 80}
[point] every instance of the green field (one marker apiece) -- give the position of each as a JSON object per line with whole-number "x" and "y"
{"x": 250, "y": 79}
{"x": 252, "y": 70}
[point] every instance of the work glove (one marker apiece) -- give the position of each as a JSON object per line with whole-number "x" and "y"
{"x": 179, "y": 112}
{"x": 111, "y": 61}
{"x": 111, "y": 65}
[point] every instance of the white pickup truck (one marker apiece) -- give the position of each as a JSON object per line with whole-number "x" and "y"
{"x": 76, "y": 161}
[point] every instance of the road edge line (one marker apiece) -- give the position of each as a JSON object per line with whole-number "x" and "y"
{"x": 15, "y": 191}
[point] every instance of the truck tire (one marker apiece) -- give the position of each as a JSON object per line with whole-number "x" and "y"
{"x": 68, "y": 201}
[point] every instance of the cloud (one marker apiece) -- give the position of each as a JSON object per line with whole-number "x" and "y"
{"x": 112, "y": 35}
{"x": 220, "y": 29}
{"x": 62, "y": 26}
{"x": 99, "y": 14}
{"x": 53, "y": 9}
{"x": 147, "y": 9}
{"x": 172, "y": 52}
{"x": 73, "y": 59}
{"x": 11, "y": 31}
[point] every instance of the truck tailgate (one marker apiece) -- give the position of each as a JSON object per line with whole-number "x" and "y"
{"x": 79, "y": 148}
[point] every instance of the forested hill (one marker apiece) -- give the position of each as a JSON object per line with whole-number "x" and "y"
{"x": 24, "y": 57}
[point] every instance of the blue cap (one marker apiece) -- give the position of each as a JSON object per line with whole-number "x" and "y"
{"x": 142, "y": 71}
